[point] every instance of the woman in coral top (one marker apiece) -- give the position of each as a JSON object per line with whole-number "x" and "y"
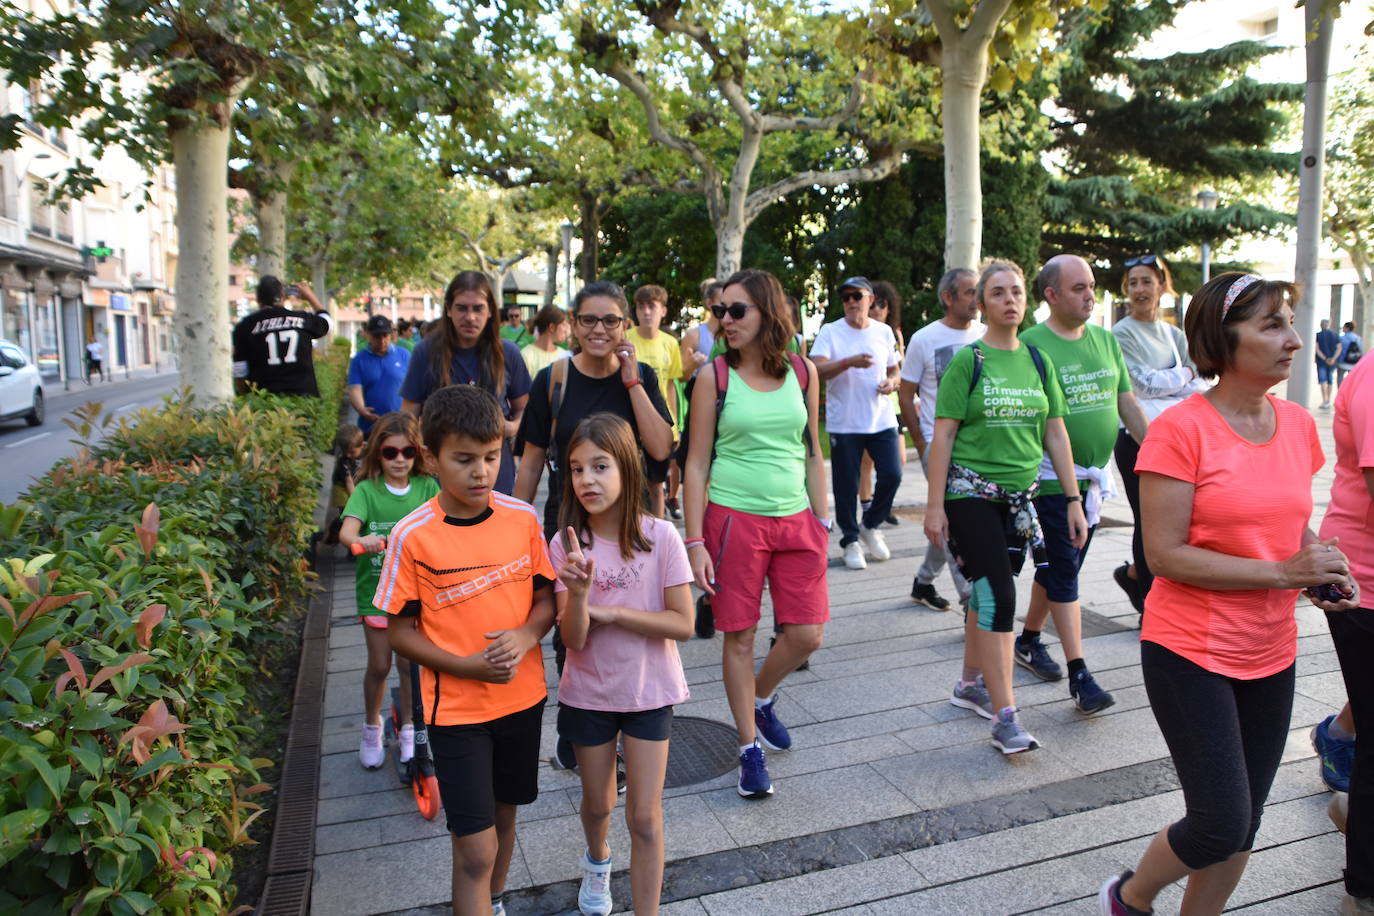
{"x": 1226, "y": 494}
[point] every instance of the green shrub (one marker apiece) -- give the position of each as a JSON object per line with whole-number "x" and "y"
{"x": 143, "y": 580}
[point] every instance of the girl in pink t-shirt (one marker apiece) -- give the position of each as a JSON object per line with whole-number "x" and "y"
{"x": 624, "y": 599}
{"x": 1225, "y": 488}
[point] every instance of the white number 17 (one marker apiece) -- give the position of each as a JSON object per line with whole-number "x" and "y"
{"x": 292, "y": 339}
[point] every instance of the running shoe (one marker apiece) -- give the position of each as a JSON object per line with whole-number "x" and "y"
{"x": 1130, "y": 586}
{"x": 892, "y": 521}
{"x": 854, "y": 556}
{"x": 1336, "y": 756}
{"x": 706, "y": 618}
{"x": 1032, "y": 655}
{"x": 594, "y": 896}
{"x": 753, "y": 773}
{"x": 1008, "y": 735}
{"x": 1109, "y": 897}
{"x": 974, "y": 697}
{"x": 927, "y": 595}
{"x": 498, "y": 907}
{"x": 874, "y": 544}
{"x": 371, "y": 749}
{"x": 674, "y": 507}
{"x": 1087, "y": 696}
{"x": 407, "y": 743}
{"x": 772, "y": 733}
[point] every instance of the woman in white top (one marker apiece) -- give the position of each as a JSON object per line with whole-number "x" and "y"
{"x": 1162, "y": 375}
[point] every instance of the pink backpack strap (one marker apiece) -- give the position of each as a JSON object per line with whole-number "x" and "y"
{"x": 799, "y": 370}
{"x": 722, "y": 371}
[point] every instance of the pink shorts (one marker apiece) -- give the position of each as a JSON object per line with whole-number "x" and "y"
{"x": 376, "y": 621}
{"x": 789, "y": 551}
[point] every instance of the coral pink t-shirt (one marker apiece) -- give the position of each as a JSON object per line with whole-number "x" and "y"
{"x": 1350, "y": 515}
{"x": 1249, "y": 500}
{"x": 618, "y": 670}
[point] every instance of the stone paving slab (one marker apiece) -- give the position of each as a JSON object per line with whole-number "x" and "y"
{"x": 893, "y": 801}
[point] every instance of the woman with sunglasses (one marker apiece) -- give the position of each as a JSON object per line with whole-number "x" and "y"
{"x": 755, "y": 506}
{"x": 1162, "y": 375}
{"x": 466, "y": 348}
{"x": 602, "y": 376}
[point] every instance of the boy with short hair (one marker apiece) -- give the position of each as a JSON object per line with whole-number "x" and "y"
{"x": 658, "y": 350}
{"x": 470, "y": 571}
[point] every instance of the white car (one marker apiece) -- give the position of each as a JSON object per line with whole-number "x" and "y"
{"x": 21, "y": 387}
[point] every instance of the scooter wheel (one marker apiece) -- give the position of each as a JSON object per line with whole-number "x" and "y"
{"x": 426, "y": 789}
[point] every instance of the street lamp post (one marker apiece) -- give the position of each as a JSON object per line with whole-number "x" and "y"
{"x": 1207, "y": 200}
{"x": 565, "y": 231}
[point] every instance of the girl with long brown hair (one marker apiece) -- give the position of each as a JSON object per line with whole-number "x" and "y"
{"x": 466, "y": 348}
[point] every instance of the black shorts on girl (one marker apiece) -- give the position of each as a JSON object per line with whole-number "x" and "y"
{"x": 485, "y": 764}
{"x": 595, "y": 727}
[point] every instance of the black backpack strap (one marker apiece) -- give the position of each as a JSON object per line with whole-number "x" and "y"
{"x": 558, "y": 379}
{"x": 977, "y": 367}
{"x": 1039, "y": 364}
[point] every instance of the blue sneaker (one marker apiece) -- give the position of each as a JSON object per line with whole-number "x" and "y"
{"x": 772, "y": 733}
{"x": 1336, "y": 756}
{"x": 1032, "y": 655}
{"x": 1087, "y": 695}
{"x": 753, "y": 773}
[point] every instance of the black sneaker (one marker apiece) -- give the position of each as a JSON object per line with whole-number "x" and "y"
{"x": 892, "y": 521}
{"x": 1035, "y": 658}
{"x": 926, "y": 594}
{"x": 1087, "y": 696}
{"x": 706, "y": 618}
{"x": 674, "y": 507}
{"x": 1130, "y": 586}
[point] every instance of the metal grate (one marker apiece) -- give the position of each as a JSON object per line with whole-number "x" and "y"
{"x": 700, "y": 750}
{"x": 285, "y": 895}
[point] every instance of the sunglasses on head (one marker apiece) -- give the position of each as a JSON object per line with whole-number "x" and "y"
{"x": 391, "y": 452}
{"x": 610, "y": 321}
{"x": 1145, "y": 260}
{"x": 852, "y": 295}
{"x": 736, "y": 310}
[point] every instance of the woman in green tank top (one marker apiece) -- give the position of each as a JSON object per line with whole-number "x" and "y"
{"x": 755, "y": 501}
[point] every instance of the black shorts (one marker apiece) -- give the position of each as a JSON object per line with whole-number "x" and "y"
{"x": 595, "y": 727}
{"x": 485, "y": 764}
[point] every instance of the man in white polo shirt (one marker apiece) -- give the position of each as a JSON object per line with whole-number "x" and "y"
{"x": 857, "y": 358}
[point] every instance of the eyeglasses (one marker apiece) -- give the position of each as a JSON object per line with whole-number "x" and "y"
{"x": 610, "y": 321}
{"x": 851, "y": 296}
{"x": 1146, "y": 260}
{"x": 736, "y": 310}
{"x": 391, "y": 452}
{"x": 468, "y": 309}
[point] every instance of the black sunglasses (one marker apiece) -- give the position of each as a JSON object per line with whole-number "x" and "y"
{"x": 391, "y": 452}
{"x": 736, "y": 310}
{"x": 1146, "y": 260}
{"x": 610, "y": 321}
{"x": 852, "y": 296}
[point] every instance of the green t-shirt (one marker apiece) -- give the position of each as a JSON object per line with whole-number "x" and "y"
{"x": 405, "y": 342}
{"x": 760, "y": 463}
{"x": 1092, "y": 372}
{"x": 1002, "y": 421}
{"x": 379, "y": 509}
{"x": 518, "y": 336}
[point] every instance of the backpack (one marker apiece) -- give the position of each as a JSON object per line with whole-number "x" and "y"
{"x": 978, "y": 365}
{"x": 558, "y": 380}
{"x": 1353, "y": 353}
{"x": 722, "y": 373}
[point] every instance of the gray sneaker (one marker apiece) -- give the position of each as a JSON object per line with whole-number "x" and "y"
{"x": 974, "y": 697}
{"x": 1009, "y": 737}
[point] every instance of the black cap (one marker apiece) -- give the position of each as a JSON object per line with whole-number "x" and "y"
{"x": 857, "y": 283}
{"x": 378, "y": 324}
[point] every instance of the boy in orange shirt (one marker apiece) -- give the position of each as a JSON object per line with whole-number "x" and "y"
{"x": 469, "y": 571}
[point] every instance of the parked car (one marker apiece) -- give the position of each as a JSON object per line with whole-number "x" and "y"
{"x": 21, "y": 387}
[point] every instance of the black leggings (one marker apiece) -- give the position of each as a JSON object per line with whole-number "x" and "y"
{"x": 1126, "y": 452}
{"x": 1353, "y": 634}
{"x": 1226, "y": 736}
{"x": 978, "y": 540}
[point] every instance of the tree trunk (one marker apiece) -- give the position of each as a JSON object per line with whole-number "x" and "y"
{"x": 964, "y": 71}
{"x": 200, "y": 158}
{"x": 729, "y": 246}
{"x": 319, "y": 282}
{"x": 1313, "y": 160}
{"x": 269, "y": 207}
{"x": 588, "y": 263}
{"x": 550, "y": 274}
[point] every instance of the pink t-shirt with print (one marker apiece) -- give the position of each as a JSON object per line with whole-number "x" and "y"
{"x": 619, "y": 670}
{"x": 1350, "y": 516}
{"x": 1249, "y": 500}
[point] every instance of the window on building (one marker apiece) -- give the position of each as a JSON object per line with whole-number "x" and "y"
{"x": 40, "y": 214}
{"x": 64, "y": 222}
{"x": 4, "y": 196}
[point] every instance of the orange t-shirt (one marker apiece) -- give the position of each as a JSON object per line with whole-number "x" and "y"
{"x": 1249, "y": 500}
{"x": 461, "y": 578}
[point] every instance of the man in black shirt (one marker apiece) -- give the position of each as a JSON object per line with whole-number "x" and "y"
{"x": 273, "y": 347}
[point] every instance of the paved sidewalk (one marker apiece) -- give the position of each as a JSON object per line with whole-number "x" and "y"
{"x": 892, "y": 801}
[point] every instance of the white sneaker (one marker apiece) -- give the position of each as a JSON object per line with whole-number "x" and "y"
{"x": 407, "y": 742}
{"x": 854, "y": 556}
{"x": 594, "y": 896}
{"x": 371, "y": 750}
{"x": 873, "y": 542}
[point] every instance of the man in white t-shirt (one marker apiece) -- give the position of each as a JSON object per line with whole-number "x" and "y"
{"x": 928, "y": 353}
{"x": 857, "y": 358}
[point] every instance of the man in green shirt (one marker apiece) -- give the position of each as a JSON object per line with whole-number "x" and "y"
{"x": 513, "y": 327}
{"x": 1097, "y": 393}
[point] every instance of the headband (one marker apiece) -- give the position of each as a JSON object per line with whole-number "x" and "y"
{"x": 1239, "y": 286}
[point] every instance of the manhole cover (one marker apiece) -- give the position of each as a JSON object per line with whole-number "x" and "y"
{"x": 700, "y": 749}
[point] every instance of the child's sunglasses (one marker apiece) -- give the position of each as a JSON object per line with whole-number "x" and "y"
{"x": 736, "y": 310}
{"x": 1146, "y": 260}
{"x": 391, "y": 452}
